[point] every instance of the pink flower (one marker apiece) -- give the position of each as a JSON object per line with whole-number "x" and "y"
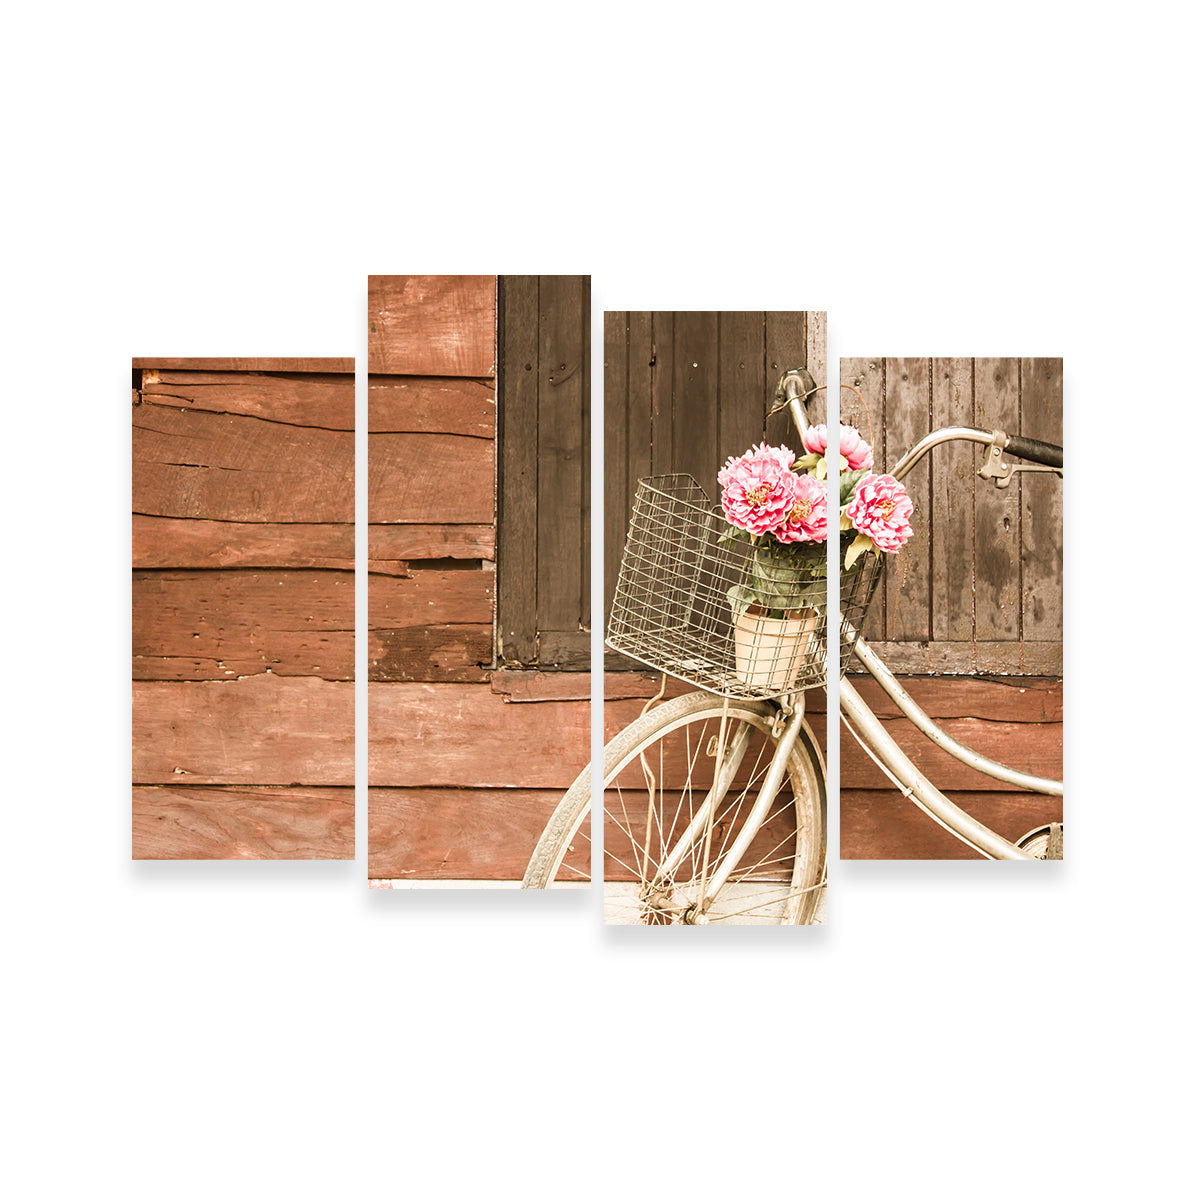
{"x": 807, "y": 519}
{"x": 880, "y": 509}
{"x": 851, "y": 445}
{"x": 759, "y": 490}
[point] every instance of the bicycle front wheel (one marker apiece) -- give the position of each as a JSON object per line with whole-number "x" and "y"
{"x": 677, "y": 796}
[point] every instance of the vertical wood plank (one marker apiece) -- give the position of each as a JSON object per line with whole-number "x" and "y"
{"x": 997, "y": 510}
{"x": 784, "y": 349}
{"x": 518, "y": 413}
{"x": 740, "y": 413}
{"x": 1042, "y": 505}
{"x": 662, "y": 382}
{"x": 560, "y": 420}
{"x": 952, "y": 510}
{"x": 867, "y": 375}
{"x": 906, "y": 414}
{"x": 617, "y": 450}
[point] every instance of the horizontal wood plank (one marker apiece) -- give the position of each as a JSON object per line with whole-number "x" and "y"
{"x": 392, "y": 547}
{"x": 264, "y": 729}
{"x": 431, "y": 654}
{"x": 234, "y": 468}
{"x": 226, "y": 624}
{"x": 243, "y": 823}
{"x": 963, "y": 658}
{"x": 462, "y": 735}
{"x": 431, "y": 325}
{"x": 884, "y": 825}
{"x": 1033, "y": 748}
{"x": 174, "y": 542}
{"x": 397, "y": 404}
{"x": 430, "y": 479}
{"x": 323, "y": 365}
{"x": 1026, "y": 699}
{"x": 432, "y": 597}
{"x": 321, "y": 401}
{"x": 458, "y": 833}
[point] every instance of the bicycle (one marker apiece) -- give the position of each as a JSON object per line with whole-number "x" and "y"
{"x": 715, "y": 800}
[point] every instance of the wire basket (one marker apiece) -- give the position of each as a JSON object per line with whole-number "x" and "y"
{"x": 680, "y": 580}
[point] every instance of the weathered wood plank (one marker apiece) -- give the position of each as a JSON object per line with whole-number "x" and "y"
{"x": 430, "y": 479}
{"x": 397, "y": 404}
{"x": 952, "y": 508}
{"x": 432, "y": 325}
{"x": 321, "y": 401}
{"x": 997, "y": 511}
{"x": 170, "y": 542}
{"x": 1042, "y": 505}
{"x": 234, "y": 468}
{"x": 617, "y": 444}
{"x": 430, "y": 654}
{"x": 392, "y": 547}
{"x": 429, "y": 597}
{"x": 1029, "y": 700}
{"x": 520, "y": 375}
{"x": 562, "y": 535}
{"x": 264, "y": 729}
{"x": 459, "y": 833}
{"x": 965, "y": 658}
{"x": 243, "y": 823}
{"x": 461, "y": 735}
{"x": 906, "y": 407}
{"x": 1034, "y": 748}
{"x": 740, "y": 382}
{"x": 695, "y": 399}
{"x": 785, "y": 348}
{"x": 319, "y": 365}
{"x": 432, "y": 626}
{"x": 884, "y": 825}
{"x": 225, "y": 624}
{"x": 864, "y": 412}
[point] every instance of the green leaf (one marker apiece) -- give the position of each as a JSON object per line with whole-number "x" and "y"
{"x": 848, "y": 483}
{"x": 859, "y": 546}
{"x": 806, "y": 462}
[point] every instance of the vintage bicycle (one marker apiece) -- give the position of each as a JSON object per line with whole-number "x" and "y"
{"x": 715, "y": 800}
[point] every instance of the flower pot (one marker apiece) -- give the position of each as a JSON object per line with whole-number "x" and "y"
{"x": 769, "y": 651}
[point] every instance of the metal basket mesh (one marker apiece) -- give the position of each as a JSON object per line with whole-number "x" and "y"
{"x": 672, "y": 606}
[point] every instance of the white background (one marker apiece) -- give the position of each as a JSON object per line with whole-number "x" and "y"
{"x": 220, "y": 180}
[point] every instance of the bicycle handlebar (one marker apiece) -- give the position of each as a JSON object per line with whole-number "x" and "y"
{"x": 1032, "y": 450}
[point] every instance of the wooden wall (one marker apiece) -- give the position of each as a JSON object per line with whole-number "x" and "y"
{"x": 243, "y": 608}
{"x": 466, "y": 761}
{"x": 970, "y": 613}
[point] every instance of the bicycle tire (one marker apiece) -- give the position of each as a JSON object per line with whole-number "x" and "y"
{"x": 787, "y": 885}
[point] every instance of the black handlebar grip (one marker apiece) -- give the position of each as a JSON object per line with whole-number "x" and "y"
{"x": 1032, "y": 450}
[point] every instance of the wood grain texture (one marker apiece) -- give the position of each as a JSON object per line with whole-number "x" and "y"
{"x": 430, "y": 479}
{"x": 883, "y": 825}
{"x": 461, "y": 735}
{"x": 319, "y": 401}
{"x": 982, "y": 575}
{"x": 243, "y": 608}
{"x": 544, "y": 536}
{"x": 431, "y": 325}
{"x": 458, "y": 832}
{"x": 264, "y": 729}
{"x": 392, "y": 547}
{"x": 164, "y": 542}
{"x": 225, "y": 624}
{"x": 1016, "y": 723}
{"x": 401, "y": 405}
{"x": 319, "y": 365}
{"x": 215, "y": 466}
{"x": 243, "y": 823}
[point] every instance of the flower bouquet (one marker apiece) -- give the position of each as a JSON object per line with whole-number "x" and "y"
{"x": 779, "y": 505}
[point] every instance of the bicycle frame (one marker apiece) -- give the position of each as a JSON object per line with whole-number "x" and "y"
{"x": 912, "y": 783}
